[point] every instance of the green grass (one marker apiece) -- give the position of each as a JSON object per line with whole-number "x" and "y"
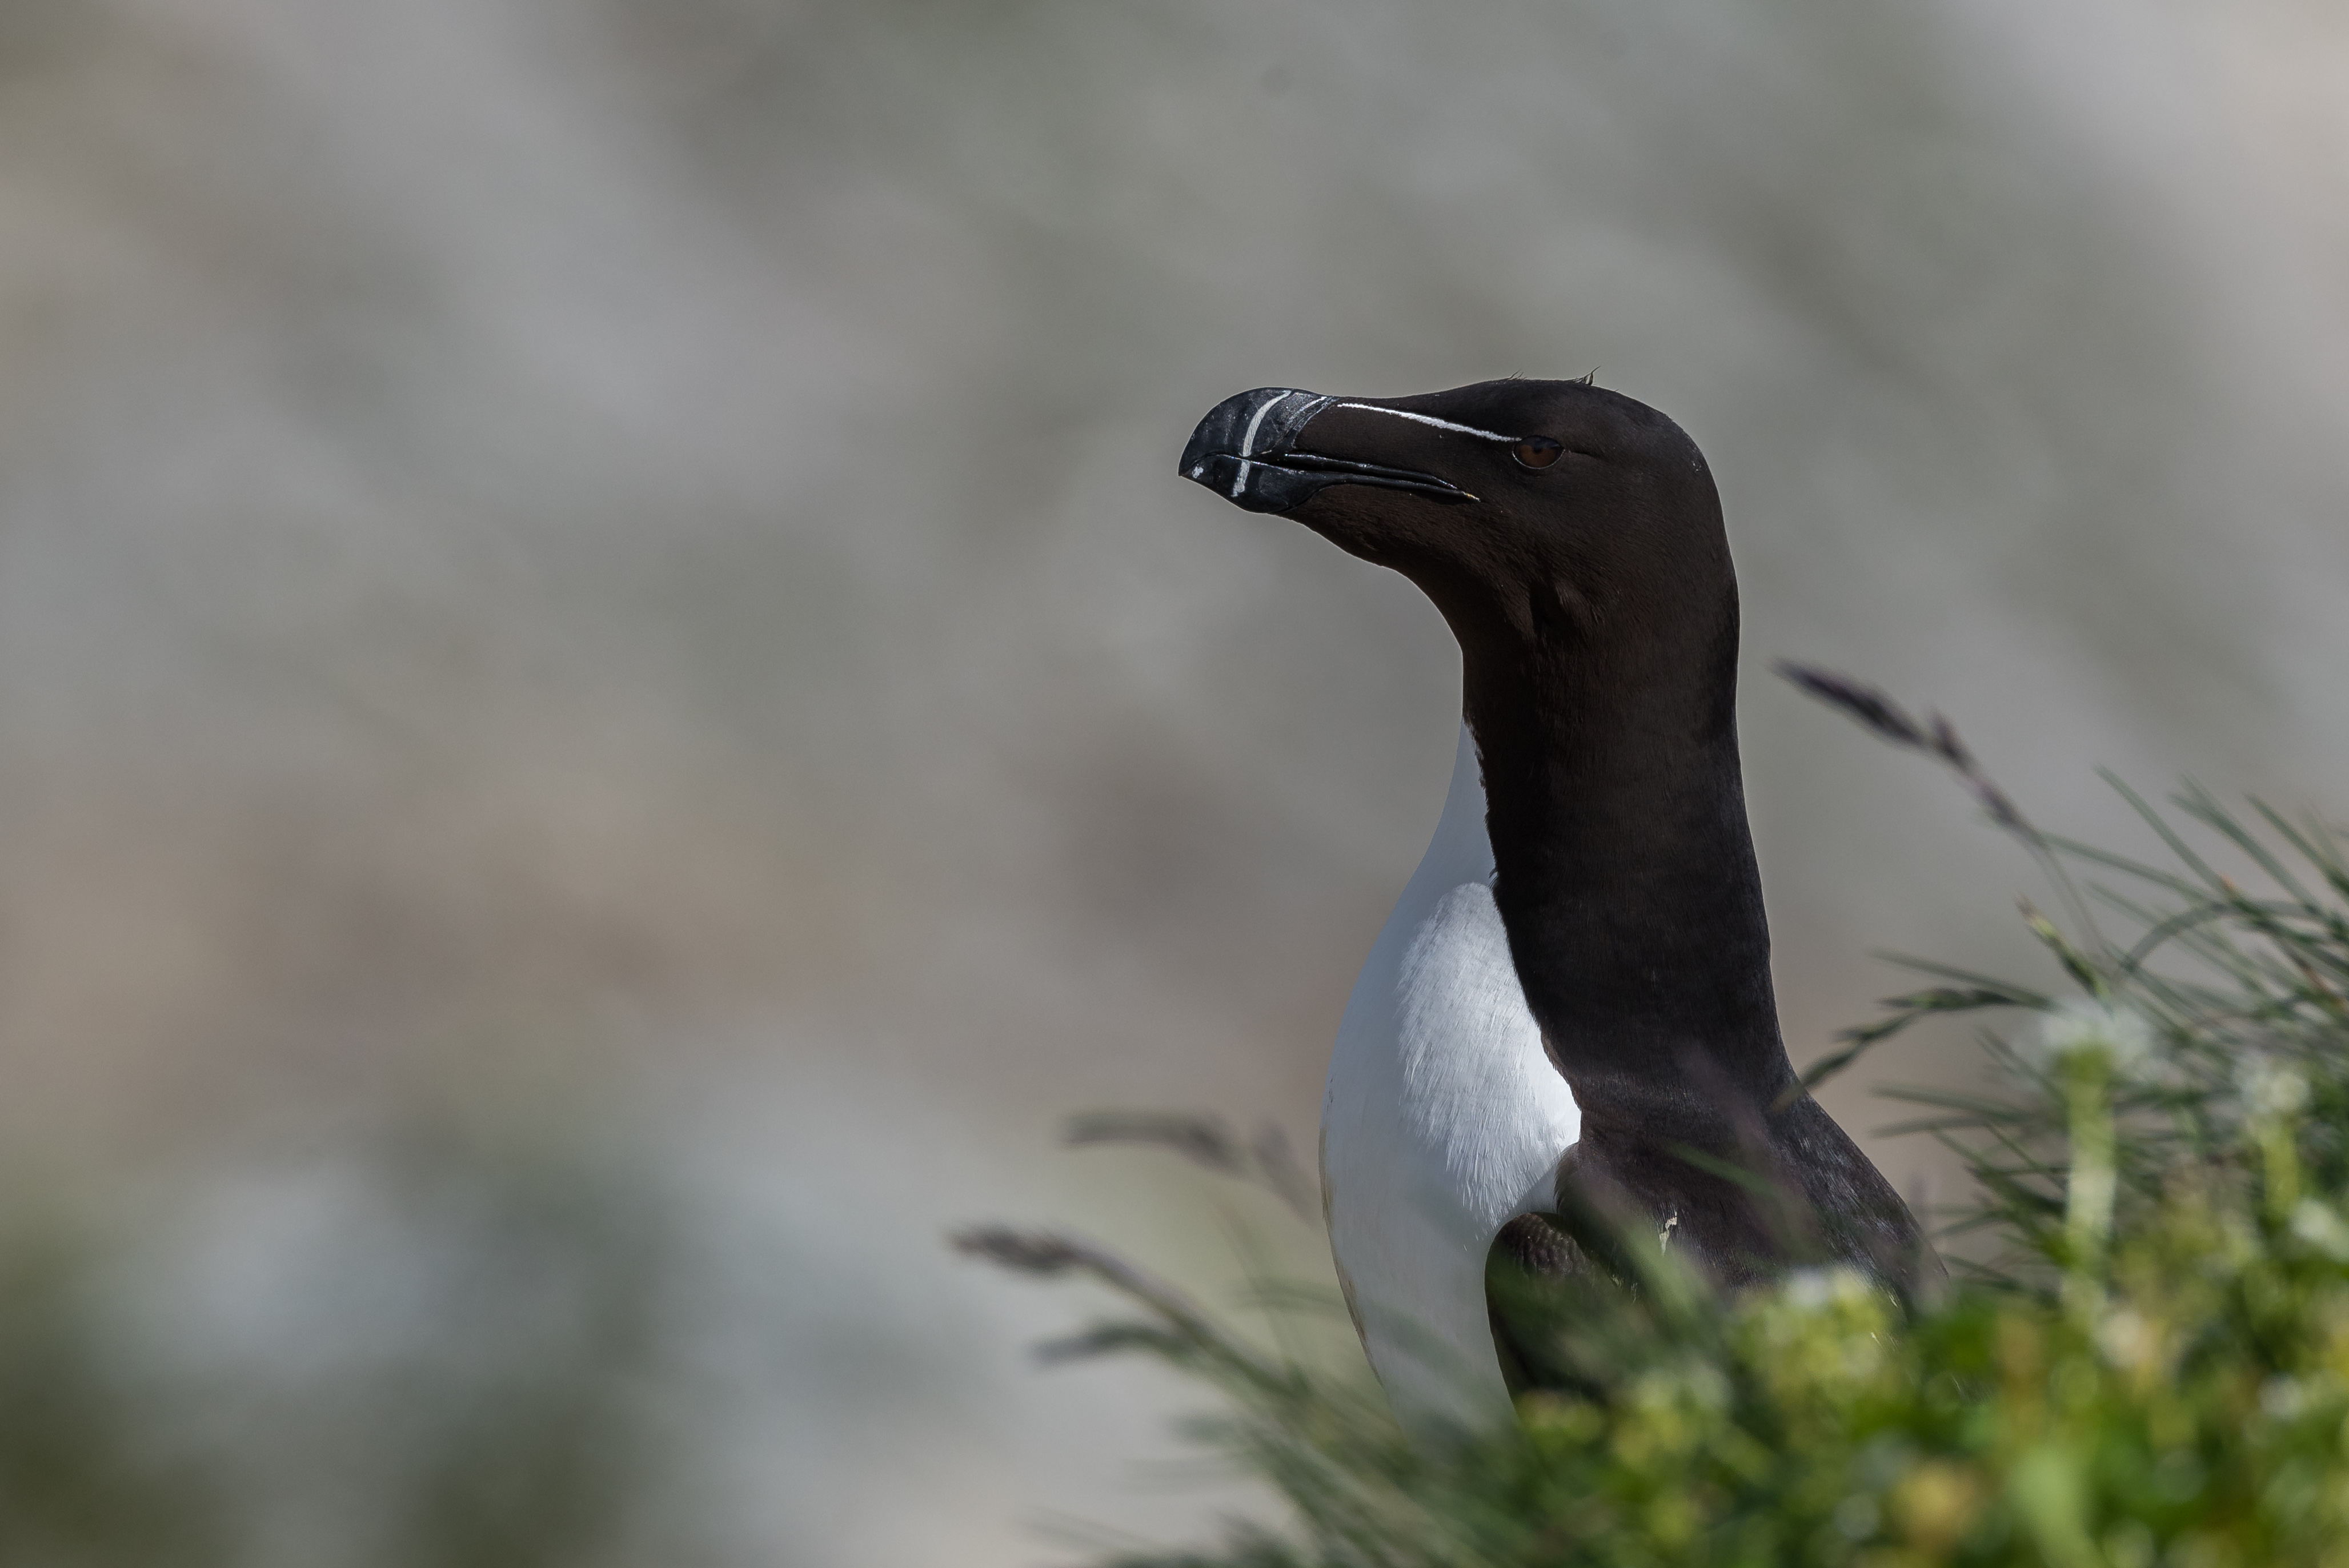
{"x": 452, "y": 1372}
{"x": 2145, "y": 1362}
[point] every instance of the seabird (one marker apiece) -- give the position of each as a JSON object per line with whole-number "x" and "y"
{"x": 1571, "y": 1004}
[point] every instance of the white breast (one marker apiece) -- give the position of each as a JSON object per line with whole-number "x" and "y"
{"x": 1443, "y": 1121}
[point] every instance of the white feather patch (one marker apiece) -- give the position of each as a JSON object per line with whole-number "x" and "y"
{"x": 1443, "y": 1121}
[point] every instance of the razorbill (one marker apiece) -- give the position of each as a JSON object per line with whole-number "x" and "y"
{"x": 1591, "y": 896}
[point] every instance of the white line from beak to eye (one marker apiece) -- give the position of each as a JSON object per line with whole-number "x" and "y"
{"x": 1247, "y": 442}
{"x": 1432, "y": 420}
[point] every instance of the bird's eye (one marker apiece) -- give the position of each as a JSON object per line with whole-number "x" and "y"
{"x": 1536, "y": 452}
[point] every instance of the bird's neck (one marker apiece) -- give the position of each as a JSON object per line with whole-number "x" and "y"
{"x": 1625, "y": 872}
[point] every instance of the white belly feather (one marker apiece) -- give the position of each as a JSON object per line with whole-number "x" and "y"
{"x": 1443, "y": 1121}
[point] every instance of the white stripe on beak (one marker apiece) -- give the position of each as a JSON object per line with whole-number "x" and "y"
{"x": 1431, "y": 419}
{"x": 1247, "y": 442}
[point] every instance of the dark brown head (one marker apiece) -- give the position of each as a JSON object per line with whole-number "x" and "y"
{"x": 1528, "y": 511}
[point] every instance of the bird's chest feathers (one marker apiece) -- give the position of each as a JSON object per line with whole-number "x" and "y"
{"x": 1441, "y": 1099}
{"x": 1478, "y": 1098}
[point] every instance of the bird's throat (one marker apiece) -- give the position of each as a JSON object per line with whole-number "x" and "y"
{"x": 1625, "y": 875}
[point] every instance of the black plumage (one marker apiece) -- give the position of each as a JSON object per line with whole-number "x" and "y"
{"x": 1572, "y": 539}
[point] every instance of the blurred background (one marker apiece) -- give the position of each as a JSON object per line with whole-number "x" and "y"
{"x": 610, "y": 707}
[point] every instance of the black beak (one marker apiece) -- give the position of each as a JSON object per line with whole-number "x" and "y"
{"x": 1246, "y": 451}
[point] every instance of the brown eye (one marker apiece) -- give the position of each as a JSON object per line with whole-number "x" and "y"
{"x": 1536, "y": 452}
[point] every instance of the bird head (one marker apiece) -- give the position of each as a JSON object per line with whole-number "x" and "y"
{"x": 1529, "y": 511}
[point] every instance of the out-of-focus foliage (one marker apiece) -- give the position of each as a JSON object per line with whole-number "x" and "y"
{"x": 445, "y": 1354}
{"x": 2151, "y": 1367}
{"x": 83, "y": 1480}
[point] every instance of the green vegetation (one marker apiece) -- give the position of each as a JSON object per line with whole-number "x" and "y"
{"x": 83, "y": 1478}
{"x": 435, "y": 1352}
{"x": 2145, "y": 1361}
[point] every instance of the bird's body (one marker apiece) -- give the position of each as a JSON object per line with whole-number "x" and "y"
{"x": 1572, "y": 540}
{"x": 1442, "y": 1122}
